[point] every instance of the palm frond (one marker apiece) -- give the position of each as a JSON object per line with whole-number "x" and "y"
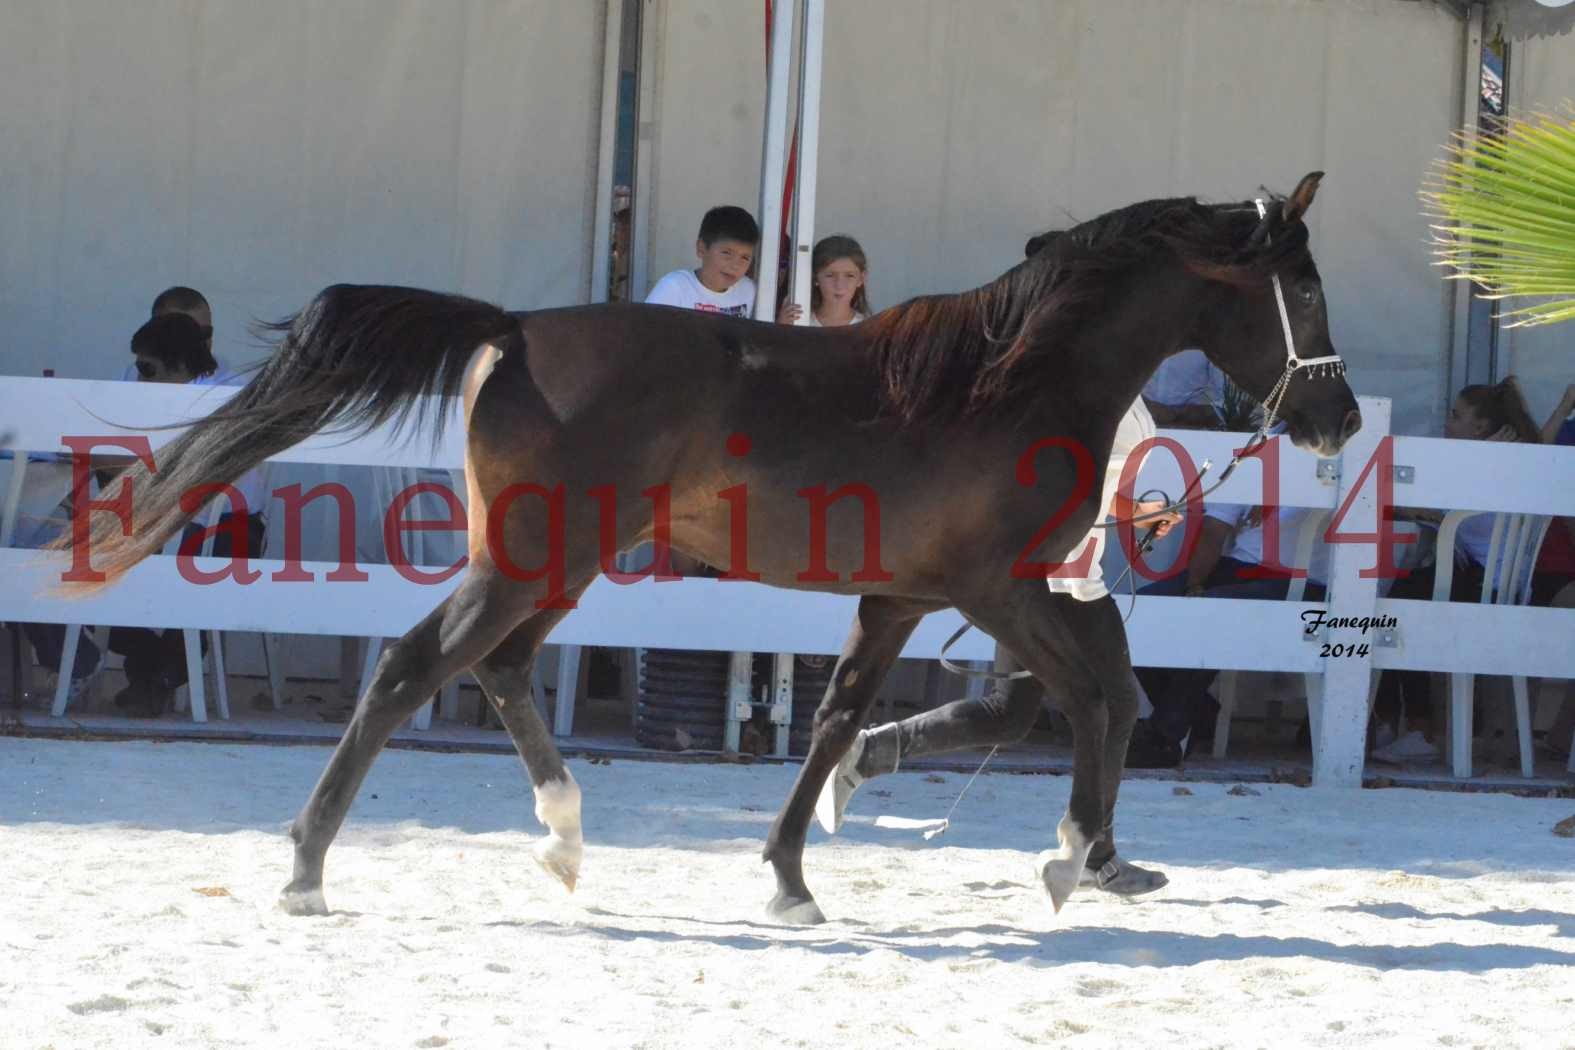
{"x": 1504, "y": 201}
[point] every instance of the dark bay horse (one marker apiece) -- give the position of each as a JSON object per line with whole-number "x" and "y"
{"x": 953, "y": 413}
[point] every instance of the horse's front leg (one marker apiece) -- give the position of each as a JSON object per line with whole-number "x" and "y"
{"x": 879, "y": 632}
{"x": 1096, "y": 630}
{"x": 1032, "y": 624}
{"x": 1082, "y": 826}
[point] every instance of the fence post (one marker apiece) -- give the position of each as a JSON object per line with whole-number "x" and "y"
{"x": 1342, "y": 728}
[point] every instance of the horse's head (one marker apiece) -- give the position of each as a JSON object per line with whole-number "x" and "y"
{"x": 1268, "y": 329}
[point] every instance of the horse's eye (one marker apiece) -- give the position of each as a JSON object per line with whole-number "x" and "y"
{"x": 1308, "y": 293}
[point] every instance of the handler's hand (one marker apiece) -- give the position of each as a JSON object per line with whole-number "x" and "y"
{"x": 1507, "y": 432}
{"x": 1165, "y": 522}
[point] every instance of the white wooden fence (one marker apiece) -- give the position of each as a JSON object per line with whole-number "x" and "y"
{"x": 726, "y": 616}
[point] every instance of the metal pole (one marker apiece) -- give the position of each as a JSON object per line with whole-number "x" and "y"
{"x": 1471, "y": 75}
{"x": 601, "y": 239}
{"x": 773, "y": 152}
{"x": 809, "y": 152}
{"x": 651, "y": 22}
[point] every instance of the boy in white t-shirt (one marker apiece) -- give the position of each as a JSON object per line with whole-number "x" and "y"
{"x": 721, "y": 285}
{"x": 725, "y": 248}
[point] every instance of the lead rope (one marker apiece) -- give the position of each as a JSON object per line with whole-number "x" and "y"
{"x": 946, "y": 821}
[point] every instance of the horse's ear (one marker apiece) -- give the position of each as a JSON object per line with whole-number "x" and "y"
{"x": 1035, "y": 243}
{"x": 1296, "y": 205}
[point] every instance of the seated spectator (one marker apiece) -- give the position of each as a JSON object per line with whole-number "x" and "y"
{"x": 1228, "y": 562}
{"x": 1557, "y": 559}
{"x": 182, "y": 300}
{"x": 1480, "y": 413}
{"x": 48, "y": 639}
{"x": 179, "y": 300}
{"x": 175, "y": 348}
{"x": 1560, "y": 426}
{"x": 1186, "y": 392}
{"x": 839, "y": 286}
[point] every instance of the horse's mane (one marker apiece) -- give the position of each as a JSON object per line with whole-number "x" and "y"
{"x": 942, "y": 358}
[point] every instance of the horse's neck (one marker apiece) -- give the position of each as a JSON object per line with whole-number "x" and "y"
{"x": 1112, "y": 362}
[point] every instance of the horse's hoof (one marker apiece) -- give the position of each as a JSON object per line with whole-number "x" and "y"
{"x": 560, "y": 858}
{"x": 1059, "y": 875}
{"x": 1060, "y": 868}
{"x": 298, "y": 901}
{"x": 795, "y": 911}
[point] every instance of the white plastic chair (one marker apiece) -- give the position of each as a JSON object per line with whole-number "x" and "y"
{"x": 1506, "y": 580}
{"x": 273, "y": 662}
{"x": 1301, "y": 557}
{"x": 46, "y": 504}
{"x": 194, "y": 693}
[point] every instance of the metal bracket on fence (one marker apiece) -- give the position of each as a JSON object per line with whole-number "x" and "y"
{"x": 739, "y": 709}
{"x": 782, "y": 702}
{"x": 1404, "y": 473}
{"x": 1320, "y": 635}
{"x": 1387, "y": 637}
{"x": 1329, "y": 471}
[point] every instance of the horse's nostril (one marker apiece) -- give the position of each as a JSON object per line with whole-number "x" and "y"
{"x": 1353, "y": 423}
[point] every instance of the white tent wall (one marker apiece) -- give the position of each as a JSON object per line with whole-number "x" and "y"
{"x": 1542, "y": 78}
{"x": 261, "y": 151}
{"x": 950, "y": 132}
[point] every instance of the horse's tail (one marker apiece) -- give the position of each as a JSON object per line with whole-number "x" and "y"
{"x": 358, "y": 356}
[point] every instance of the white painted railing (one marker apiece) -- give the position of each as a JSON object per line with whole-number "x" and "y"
{"x": 716, "y": 615}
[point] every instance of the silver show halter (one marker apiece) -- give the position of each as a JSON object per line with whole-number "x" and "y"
{"x": 1317, "y": 367}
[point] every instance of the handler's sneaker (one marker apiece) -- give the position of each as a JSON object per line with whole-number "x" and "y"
{"x": 1124, "y": 880}
{"x": 840, "y": 786}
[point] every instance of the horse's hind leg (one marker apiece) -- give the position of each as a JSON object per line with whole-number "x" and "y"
{"x": 463, "y": 628}
{"x": 879, "y": 632}
{"x": 505, "y": 675}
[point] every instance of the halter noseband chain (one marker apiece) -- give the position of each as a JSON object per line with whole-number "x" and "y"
{"x": 1317, "y": 368}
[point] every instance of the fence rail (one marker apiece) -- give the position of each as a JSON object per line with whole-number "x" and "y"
{"x": 730, "y": 616}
